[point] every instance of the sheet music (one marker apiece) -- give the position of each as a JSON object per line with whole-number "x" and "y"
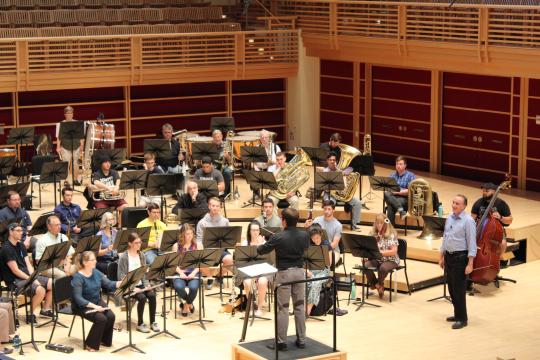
{"x": 257, "y": 270}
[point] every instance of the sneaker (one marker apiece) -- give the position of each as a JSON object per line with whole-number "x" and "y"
{"x": 209, "y": 284}
{"x": 155, "y": 327}
{"x": 402, "y": 214}
{"x": 259, "y": 313}
{"x": 356, "y": 229}
{"x": 143, "y": 328}
{"x": 46, "y": 313}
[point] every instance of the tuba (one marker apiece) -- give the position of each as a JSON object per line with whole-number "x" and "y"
{"x": 352, "y": 180}
{"x": 108, "y": 195}
{"x": 292, "y": 176}
{"x": 420, "y": 198}
{"x": 367, "y": 145}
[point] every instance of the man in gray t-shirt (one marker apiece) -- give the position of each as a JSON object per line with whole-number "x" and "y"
{"x": 330, "y": 224}
{"x": 207, "y": 172}
{"x": 269, "y": 217}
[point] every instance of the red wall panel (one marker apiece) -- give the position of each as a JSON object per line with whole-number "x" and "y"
{"x": 337, "y": 68}
{"x": 337, "y": 86}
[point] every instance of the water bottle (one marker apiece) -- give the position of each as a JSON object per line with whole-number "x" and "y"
{"x": 440, "y": 210}
{"x": 16, "y": 342}
{"x": 353, "y": 290}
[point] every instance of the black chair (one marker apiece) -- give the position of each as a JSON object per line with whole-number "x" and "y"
{"x": 112, "y": 274}
{"x": 131, "y": 216}
{"x": 37, "y": 165}
{"x": 345, "y": 283}
{"x": 63, "y": 293}
{"x": 402, "y": 253}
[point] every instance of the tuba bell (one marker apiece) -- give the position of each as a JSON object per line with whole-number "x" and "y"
{"x": 293, "y": 176}
{"x": 420, "y": 198}
{"x": 353, "y": 179}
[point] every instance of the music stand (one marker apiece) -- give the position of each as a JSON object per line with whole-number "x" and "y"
{"x": 269, "y": 231}
{"x": 222, "y": 123}
{"x": 117, "y": 156}
{"x": 364, "y": 247}
{"x": 21, "y": 188}
{"x": 433, "y": 227}
{"x": 90, "y": 218}
{"x": 22, "y": 290}
{"x": 90, "y": 243}
{"x": 326, "y": 181}
{"x": 54, "y": 172}
{"x": 200, "y": 150}
{"x": 52, "y": 258}
{"x": 121, "y": 241}
{"x": 260, "y": 180}
{"x": 253, "y": 154}
{"x": 160, "y": 147}
{"x": 169, "y": 238}
{"x": 124, "y": 290}
{"x": 4, "y": 227}
{"x": 318, "y": 158}
{"x": 19, "y": 137}
{"x": 383, "y": 183}
{"x": 208, "y": 188}
{"x": 246, "y": 256}
{"x": 133, "y": 179}
{"x": 160, "y": 185}
{"x": 71, "y": 133}
{"x": 363, "y": 164}
{"x": 40, "y": 226}
{"x": 221, "y": 237}
{"x": 191, "y": 216}
{"x": 199, "y": 259}
{"x": 163, "y": 267}
{"x": 316, "y": 257}
{"x": 6, "y": 166}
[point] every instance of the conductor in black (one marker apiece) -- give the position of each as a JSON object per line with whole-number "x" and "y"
{"x": 289, "y": 246}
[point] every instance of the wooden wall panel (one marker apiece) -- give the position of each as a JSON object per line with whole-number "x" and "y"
{"x": 533, "y": 137}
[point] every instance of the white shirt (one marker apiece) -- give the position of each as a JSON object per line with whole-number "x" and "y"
{"x": 49, "y": 239}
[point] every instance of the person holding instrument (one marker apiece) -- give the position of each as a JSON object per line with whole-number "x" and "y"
{"x": 170, "y": 164}
{"x": 333, "y": 145}
{"x": 152, "y": 168}
{"x": 457, "y": 255}
{"x": 87, "y": 283}
{"x": 387, "y": 243}
{"x": 314, "y": 288}
{"x": 156, "y": 232}
{"x": 65, "y": 152}
{"x": 396, "y": 201}
{"x": 107, "y": 180}
{"x": 13, "y": 210}
{"x": 281, "y": 164}
{"x": 271, "y": 149}
{"x": 224, "y": 160}
{"x": 207, "y": 172}
{"x": 106, "y": 254}
{"x": 254, "y": 238}
{"x": 268, "y": 217}
{"x": 187, "y": 278}
{"x": 130, "y": 260}
{"x": 69, "y": 213}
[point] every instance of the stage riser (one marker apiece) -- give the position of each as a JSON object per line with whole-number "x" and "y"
{"x": 239, "y": 353}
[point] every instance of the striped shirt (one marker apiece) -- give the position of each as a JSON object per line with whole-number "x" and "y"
{"x": 459, "y": 234}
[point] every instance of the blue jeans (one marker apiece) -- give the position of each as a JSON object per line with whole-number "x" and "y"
{"x": 180, "y": 288}
{"x": 150, "y": 256}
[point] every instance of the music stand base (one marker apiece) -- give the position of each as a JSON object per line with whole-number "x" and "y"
{"x": 130, "y": 346}
{"x": 200, "y": 321}
{"x": 166, "y": 332}
{"x": 445, "y": 297}
{"x": 33, "y": 343}
{"x": 361, "y": 303}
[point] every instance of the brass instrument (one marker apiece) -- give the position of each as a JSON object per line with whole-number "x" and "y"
{"x": 352, "y": 180}
{"x": 420, "y": 198}
{"x": 367, "y": 145}
{"x": 292, "y": 176}
{"x": 178, "y": 135}
{"x": 106, "y": 195}
{"x": 228, "y": 148}
{"x": 172, "y": 219}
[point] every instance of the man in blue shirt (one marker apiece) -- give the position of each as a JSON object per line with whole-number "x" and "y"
{"x": 456, "y": 257}
{"x": 69, "y": 213}
{"x": 396, "y": 201}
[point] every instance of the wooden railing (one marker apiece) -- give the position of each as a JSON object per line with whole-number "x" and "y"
{"x": 499, "y": 25}
{"x": 28, "y": 60}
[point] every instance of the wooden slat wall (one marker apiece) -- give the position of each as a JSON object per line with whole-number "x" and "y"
{"x": 533, "y": 137}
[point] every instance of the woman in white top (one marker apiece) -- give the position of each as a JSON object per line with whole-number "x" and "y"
{"x": 254, "y": 238}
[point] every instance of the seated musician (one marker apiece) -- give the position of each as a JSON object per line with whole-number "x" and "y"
{"x": 396, "y": 201}
{"x": 271, "y": 149}
{"x": 330, "y": 224}
{"x": 16, "y": 268}
{"x": 207, "y": 172}
{"x": 156, "y": 232}
{"x": 388, "y": 246}
{"x": 500, "y": 210}
{"x": 291, "y": 198}
{"x": 214, "y": 219}
{"x": 225, "y": 158}
{"x": 107, "y": 180}
{"x": 69, "y": 213}
{"x": 333, "y": 145}
{"x": 65, "y": 152}
{"x": 153, "y": 168}
{"x": 106, "y": 254}
{"x": 354, "y": 203}
{"x": 187, "y": 278}
{"x": 87, "y": 283}
{"x": 191, "y": 199}
{"x": 14, "y": 211}
{"x": 130, "y": 260}
{"x": 314, "y": 288}
{"x": 170, "y": 164}
{"x": 52, "y": 237}
{"x": 269, "y": 217}
{"x": 254, "y": 238}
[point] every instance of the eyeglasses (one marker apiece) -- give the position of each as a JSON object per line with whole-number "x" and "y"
{"x": 17, "y": 230}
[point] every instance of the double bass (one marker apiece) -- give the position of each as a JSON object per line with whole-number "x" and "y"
{"x": 489, "y": 235}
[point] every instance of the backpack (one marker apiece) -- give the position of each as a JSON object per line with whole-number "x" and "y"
{"x": 326, "y": 301}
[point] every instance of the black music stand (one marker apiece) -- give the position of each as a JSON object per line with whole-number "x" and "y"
{"x": 40, "y": 226}
{"x": 326, "y": 181}
{"x": 117, "y": 156}
{"x": 90, "y": 218}
{"x": 6, "y": 166}
{"x": 199, "y": 150}
{"x": 253, "y": 154}
{"x": 54, "y": 172}
{"x": 21, "y": 188}
{"x": 316, "y": 258}
{"x": 191, "y": 216}
{"x": 161, "y": 185}
{"x": 221, "y": 237}
{"x": 52, "y": 258}
{"x": 433, "y": 227}
{"x": 169, "y": 238}
{"x": 163, "y": 267}
{"x": 269, "y": 231}
{"x": 318, "y": 158}
{"x": 121, "y": 241}
{"x": 125, "y": 290}
{"x": 19, "y": 137}
{"x": 22, "y": 290}
{"x": 246, "y": 256}
{"x": 71, "y": 133}
{"x": 199, "y": 259}
{"x": 363, "y": 164}
{"x": 364, "y": 247}
{"x": 90, "y": 243}
{"x": 444, "y": 295}
{"x": 160, "y": 147}
{"x": 260, "y": 180}
{"x": 208, "y": 188}
{"x": 222, "y": 123}
{"x": 383, "y": 183}
{"x": 4, "y": 228}
{"x": 134, "y": 180}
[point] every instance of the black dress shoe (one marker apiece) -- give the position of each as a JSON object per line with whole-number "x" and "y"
{"x": 451, "y": 319}
{"x": 280, "y": 346}
{"x": 7, "y": 351}
{"x": 300, "y": 345}
{"x": 459, "y": 325}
